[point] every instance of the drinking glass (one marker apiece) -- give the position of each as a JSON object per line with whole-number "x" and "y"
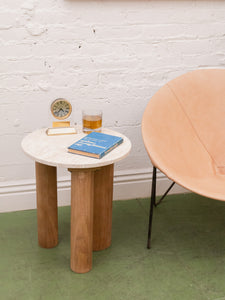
{"x": 92, "y": 120}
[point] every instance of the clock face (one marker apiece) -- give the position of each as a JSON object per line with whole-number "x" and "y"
{"x": 61, "y": 109}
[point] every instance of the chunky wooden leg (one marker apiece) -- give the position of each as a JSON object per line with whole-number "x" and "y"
{"x": 103, "y": 195}
{"x": 46, "y": 189}
{"x": 82, "y": 194}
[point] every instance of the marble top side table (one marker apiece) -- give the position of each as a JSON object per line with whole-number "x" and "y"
{"x": 91, "y": 193}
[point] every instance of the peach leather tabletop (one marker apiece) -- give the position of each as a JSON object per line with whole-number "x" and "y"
{"x": 183, "y": 129}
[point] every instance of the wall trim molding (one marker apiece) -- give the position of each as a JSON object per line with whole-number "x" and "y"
{"x": 130, "y": 184}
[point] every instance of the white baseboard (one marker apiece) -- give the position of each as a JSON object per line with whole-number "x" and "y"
{"x": 21, "y": 195}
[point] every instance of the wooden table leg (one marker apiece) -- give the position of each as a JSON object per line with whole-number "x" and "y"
{"x": 82, "y": 194}
{"x": 103, "y": 195}
{"x": 47, "y": 215}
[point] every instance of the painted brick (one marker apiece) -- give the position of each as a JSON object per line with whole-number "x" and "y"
{"x": 113, "y": 55}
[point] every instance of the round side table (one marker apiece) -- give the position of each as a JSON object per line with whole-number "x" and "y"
{"x": 91, "y": 193}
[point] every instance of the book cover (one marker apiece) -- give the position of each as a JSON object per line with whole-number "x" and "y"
{"x": 95, "y": 144}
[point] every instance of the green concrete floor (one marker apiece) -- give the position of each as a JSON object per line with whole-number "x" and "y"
{"x": 187, "y": 259}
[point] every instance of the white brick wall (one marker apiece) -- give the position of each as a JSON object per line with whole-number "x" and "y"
{"x": 108, "y": 54}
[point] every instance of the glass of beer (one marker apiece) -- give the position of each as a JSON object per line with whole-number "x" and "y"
{"x": 92, "y": 120}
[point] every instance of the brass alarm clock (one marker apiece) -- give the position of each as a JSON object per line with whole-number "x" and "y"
{"x": 61, "y": 110}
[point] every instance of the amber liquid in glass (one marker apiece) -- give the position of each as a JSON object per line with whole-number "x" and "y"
{"x": 92, "y": 123}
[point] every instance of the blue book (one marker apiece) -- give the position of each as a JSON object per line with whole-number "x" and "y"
{"x": 95, "y": 144}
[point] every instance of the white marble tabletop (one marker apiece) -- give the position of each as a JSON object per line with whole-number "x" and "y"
{"x": 52, "y": 150}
